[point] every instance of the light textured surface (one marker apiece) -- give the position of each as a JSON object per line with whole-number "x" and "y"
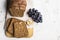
{"x": 48, "y": 30}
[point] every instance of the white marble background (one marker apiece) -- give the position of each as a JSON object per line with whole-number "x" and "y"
{"x": 48, "y": 30}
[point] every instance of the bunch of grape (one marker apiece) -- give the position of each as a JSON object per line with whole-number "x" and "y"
{"x": 35, "y": 15}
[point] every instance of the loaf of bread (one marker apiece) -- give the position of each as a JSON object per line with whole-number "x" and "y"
{"x": 17, "y": 28}
{"x": 16, "y": 7}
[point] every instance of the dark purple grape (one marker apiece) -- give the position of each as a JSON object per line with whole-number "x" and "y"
{"x": 36, "y": 11}
{"x": 30, "y": 10}
{"x": 30, "y": 15}
{"x": 37, "y": 14}
{"x": 40, "y": 19}
{"x": 33, "y": 17}
{"x": 33, "y": 9}
{"x": 36, "y": 21}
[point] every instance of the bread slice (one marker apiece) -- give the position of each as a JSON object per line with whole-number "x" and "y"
{"x": 16, "y": 29}
{"x": 17, "y": 7}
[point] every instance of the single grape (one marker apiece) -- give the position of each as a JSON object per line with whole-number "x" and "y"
{"x": 36, "y": 11}
{"x": 30, "y": 10}
{"x": 33, "y": 9}
{"x": 36, "y": 21}
{"x": 40, "y": 19}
